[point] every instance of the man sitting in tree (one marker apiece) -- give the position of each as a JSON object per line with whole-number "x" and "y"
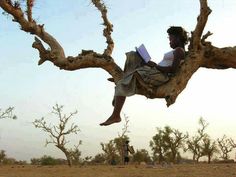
{"x": 151, "y": 73}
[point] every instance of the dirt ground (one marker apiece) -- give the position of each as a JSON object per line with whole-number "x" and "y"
{"x": 197, "y": 170}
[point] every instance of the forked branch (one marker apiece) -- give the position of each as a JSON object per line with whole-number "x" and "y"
{"x": 201, "y": 23}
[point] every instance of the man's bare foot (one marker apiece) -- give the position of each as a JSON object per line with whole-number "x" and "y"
{"x": 111, "y": 120}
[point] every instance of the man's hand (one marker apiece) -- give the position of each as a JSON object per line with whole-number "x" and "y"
{"x": 151, "y": 64}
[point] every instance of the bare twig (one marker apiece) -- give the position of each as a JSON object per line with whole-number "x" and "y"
{"x": 8, "y": 113}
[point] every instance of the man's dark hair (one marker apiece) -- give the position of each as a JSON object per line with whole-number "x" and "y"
{"x": 179, "y": 32}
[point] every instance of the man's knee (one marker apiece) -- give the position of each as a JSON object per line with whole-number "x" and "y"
{"x": 133, "y": 61}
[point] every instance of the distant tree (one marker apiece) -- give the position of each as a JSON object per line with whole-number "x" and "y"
{"x": 21, "y": 162}
{"x": 8, "y": 113}
{"x": 75, "y": 154}
{"x": 157, "y": 146}
{"x": 48, "y": 160}
{"x": 99, "y": 159}
{"x": 58, "y": 133}
{"x": 174, "y": 141}
{"x": 225, "y": 146}
{"x": 167, "y": 143}
{"x": 195, "y": 143}
{"x": 2, "y": 156}
{"x": 209, "y": 148}
{"x": 110, "y": 152}
{"x": 122, "y": 138}
{"x": 9, "y": 161}
{"x": 114, "y": 149}
{"x": 35, "y": 161}
{"x": 141, "y": 155}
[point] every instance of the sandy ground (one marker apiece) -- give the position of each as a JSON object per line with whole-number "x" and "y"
{"x": 197, "y": 170}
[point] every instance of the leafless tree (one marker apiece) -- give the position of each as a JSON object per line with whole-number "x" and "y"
{"x": 195, "y": 143}
{"x": 201, "y": 53}
{"x": 110, "y": 151}
{"x": 209, "y": 148}
{"x": 2, "y": 156}
{"x": 122, "y": 138}
{"x": 114, "y": 149}
{"x": 225, "y": 146}
{"x": 8, "y": 113}
{"x": 58, "y": 133}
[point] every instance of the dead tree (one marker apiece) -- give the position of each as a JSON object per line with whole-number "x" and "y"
{"x": 122, "y": 138}
{"x": 201, "y": 52}
{"x": 8, "y": 113}
{"x": 195, "y": 144}
{"x": 225, "y": 146}
{"x": 58, "y": 133}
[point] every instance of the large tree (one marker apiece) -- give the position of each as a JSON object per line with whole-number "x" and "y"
{"x": 201, "y": 52}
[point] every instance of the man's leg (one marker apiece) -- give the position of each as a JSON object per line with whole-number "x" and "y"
{"x": 115, "y": 116}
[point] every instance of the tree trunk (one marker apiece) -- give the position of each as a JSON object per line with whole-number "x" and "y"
{"x": 209, "y": 159}
{"x": 67, "y": 154}
{"x": 69, "y": 160}
{"x": 194, "y": 157}
{"x": 198, "y": 159}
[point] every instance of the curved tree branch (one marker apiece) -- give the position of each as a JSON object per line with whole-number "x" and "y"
{"x": 109, "y": 27}
{"x": 86, "y": 59}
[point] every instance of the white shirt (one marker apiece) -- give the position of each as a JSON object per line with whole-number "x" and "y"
{"x": 167, "y": 59}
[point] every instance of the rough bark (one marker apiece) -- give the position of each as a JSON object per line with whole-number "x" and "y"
{"x": 200, "y": 54}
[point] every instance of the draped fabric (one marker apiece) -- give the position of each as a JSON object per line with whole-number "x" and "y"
{"x": 137, "y": 71}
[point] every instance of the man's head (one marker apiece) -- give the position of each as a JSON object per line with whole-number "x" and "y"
{"x": 178, "y": 36}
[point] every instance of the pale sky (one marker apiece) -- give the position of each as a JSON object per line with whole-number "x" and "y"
{"x": 33, "y": 89}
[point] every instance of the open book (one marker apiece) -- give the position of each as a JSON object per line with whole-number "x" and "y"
{"x": 143, "y": 53}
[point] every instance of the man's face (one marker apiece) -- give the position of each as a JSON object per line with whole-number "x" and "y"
{"x": 173, "y": 41}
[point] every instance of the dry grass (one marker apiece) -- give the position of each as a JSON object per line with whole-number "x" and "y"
{"x": 199, "y": 170}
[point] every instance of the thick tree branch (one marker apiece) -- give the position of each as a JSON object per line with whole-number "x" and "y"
{"x": 201, "y": 22}
{"x": 219, "y": 58}
{"x": 56, "y": 51}
{"x": 56, "y": 54}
